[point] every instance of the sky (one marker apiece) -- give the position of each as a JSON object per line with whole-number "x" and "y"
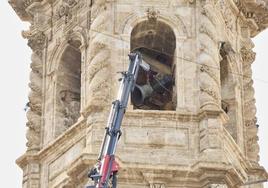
{"x": 15, "y": 57}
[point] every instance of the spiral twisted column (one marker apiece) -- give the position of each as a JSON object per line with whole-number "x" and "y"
{"x": 99, "y": 69}
{"x": 208, "y": 58}
{"x": 37, "y": 43}
{"x": 209, "y": 76}
{"x": 36, "y": 40}
{"x": 249, "y": 108}
{"x": 99, "y": 63}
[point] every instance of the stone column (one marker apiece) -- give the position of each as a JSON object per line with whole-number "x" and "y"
{"x": 99, "y": 77}
{"x": 28, "y": 162}
{"x": 208, "y": 58}
{"x": 249, "y": 108}
{"x": 98, "y": 68}
{"x": 209, "y": 76}
{"x": 37, "y": 43}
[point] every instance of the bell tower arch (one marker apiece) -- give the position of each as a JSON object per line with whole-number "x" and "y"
{"x": 191, "y": 121}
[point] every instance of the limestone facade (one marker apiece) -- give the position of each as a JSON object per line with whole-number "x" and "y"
{"x": 205, "y": 135}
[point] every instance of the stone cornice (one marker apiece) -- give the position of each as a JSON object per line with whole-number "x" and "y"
{"x": 36, "y": 40}
{"x": 256, "y": 11}
{"x": 53, "y": 146}
{"x": 19, "y": 7}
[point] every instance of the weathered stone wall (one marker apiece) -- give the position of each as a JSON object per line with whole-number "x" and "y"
{"x": 208, "y": 140}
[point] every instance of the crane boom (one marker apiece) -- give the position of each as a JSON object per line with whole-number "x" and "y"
{"x": 104, "y": 173}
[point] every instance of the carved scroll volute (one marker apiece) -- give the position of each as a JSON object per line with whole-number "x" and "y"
{"x": 37, "y": 43}
{"x": 250, "y": 120}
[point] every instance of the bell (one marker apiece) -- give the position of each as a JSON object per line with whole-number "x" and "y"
{"x": 140, "y": 93}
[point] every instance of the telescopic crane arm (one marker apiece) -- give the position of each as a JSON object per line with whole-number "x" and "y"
{"x": 105, "y": 171}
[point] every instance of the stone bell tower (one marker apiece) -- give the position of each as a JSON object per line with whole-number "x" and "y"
{"x": 199, "y": 132}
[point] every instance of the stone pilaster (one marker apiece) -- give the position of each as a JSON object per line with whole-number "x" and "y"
{"x": 31, "y": 170}
{"x": 31, "y": 175}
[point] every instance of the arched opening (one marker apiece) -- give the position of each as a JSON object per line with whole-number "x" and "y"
{"x": 155, "y": 89}
{"x": 228, "y": 96}
{"x": 68, "y": 87}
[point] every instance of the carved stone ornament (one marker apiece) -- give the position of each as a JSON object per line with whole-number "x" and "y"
{"x": 257, "y": 11}
{"x": 36, "y": 41}
{"x": 63, "y": 10}
{"x": 251, "y": 123}
{"x": 206, "y": 69}
{"x": 247, "y": 55}
{"x": 71, "y": 3}
{"x": 210, "y": 92}
{"x": 152, "y": 14}
{"x": 228, "y": 15}
{"x": 218, "y": 186}
{"x": 27, "y": 3}
{"x": 157, "y": 185}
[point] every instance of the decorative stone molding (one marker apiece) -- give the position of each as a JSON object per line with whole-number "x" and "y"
{"x": 250, "y": 120}
{"x": 211, "y": 73}
{"x": 209, "y": 31}
{"x": 35, "y": 103}
{"x": 27, "y": 3}
{"x": 211, "y": 93}
{"x": 217, "y": 186}
{"x": 251, "y": 123}
{"x": 65, "y": 10}
{"x": 195, "y": 142}
{"x": 209, "y": 14}
{"x": 98, "y": 68}
{"x": 248, "y": 56}
{"x": 257, "y": 11}
{"x": 71, "y": 3}
{"x": 209, "y": 82}
{"x": 36, "y": 40}
{"x": 152, "y": 14}
{"x": 226, "y": 10}
{"x": 157, "y": 185}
